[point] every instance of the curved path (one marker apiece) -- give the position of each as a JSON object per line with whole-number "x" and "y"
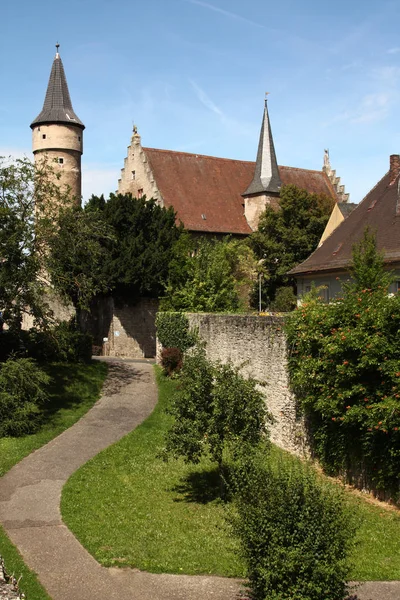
{"x": 30, "y": 508}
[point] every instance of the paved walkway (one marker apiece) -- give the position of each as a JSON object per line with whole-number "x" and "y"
{"x": 30, "y": 508}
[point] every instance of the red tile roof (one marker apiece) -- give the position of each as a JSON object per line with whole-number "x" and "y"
{"x": 377, "y": 211}
{"x": 206, "y": 191}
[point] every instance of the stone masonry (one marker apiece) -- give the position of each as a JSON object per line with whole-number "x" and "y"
{"x": 258, "y": 346}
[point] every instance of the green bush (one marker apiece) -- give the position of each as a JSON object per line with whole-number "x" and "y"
{"x": 12, "y": 343}
{"x": 22, "y": 394}
{"x": 63, "y": 343}
{"x": 295, "y": 532}
{"x": 285, "y": 300}
{"x": 345, "y": 370}
{"x": 173, "y": 331}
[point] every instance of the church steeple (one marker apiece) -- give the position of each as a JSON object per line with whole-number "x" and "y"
{"x": 266, "y": 176}
{"x": 57, "y": 107}
{"x": 264, "y": 189}
{"x": 57, "y": 132}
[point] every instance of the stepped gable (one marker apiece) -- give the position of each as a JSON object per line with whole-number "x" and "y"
{"x": 379, "y": 211}
{"x": 206, "y": 191}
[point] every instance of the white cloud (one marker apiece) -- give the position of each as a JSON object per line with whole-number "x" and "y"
{"x": 97, "y": 180}
{"x": 9, "y": 151}
{"x": 387, "y": 74}
{"x": 373, "y": 107}
{"x": 205, "y": 99}
{"x": 394, "y": 50}
{"x": 226, "y": 13}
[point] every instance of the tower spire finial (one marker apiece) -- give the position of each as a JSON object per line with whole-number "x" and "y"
{"x": 57, "y": 47}
{"x": 266, "y": 97}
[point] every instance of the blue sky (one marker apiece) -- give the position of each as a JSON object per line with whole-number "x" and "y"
{"x": 192, "y": 75}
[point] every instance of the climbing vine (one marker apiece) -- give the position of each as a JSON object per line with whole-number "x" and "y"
{"x": 345, "y": 370}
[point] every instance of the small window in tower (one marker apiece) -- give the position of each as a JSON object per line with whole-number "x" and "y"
{"x": 140, "y": 193}
{"x": 79, "y": 138}
{"x": 133, "y": 175}
{"x": 60, "y": 161}
{"x": 43, "y": 136}
{"x": 38, "y": 128}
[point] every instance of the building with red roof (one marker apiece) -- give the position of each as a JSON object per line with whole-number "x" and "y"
{"x": 219, "y": 196}
{"x": 329, "y": 265}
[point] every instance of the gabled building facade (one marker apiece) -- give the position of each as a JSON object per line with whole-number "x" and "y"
{"x": 218, "y": 196}
{"x": 329, "y": 265}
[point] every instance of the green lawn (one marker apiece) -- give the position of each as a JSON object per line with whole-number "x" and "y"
{"x": 129, "y": 508}
{"x": 75, "y": 388}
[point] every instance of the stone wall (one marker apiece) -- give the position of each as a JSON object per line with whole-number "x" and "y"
{"x": 123, "y": 329}
{"x": 258, "y": 346}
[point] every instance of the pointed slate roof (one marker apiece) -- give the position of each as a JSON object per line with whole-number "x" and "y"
{"x": 57, "y": 107}
{"x": 266, "y": 176}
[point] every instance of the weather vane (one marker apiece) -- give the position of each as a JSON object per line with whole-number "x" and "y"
{"x": 57, "y": 46}
{"x": 266, "y": 97}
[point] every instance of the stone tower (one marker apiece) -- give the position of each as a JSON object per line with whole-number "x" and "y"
{"x": 57, "y": 132}
{"x": 266, "y": 184}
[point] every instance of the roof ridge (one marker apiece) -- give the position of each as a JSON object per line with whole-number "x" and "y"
{"x": 320, "y": 171}
{"x": 197, "y": 154}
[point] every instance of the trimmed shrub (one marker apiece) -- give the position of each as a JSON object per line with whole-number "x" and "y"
{"x": 295, "y": 531}
{"x": 173, "y": 331}
{"x": 22, "y": 394}
{"x": 171, "y": 360}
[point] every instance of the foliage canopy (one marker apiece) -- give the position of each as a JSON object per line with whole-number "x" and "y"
{"x": 287, "y": 236}
{"x": 210, "y": 276}
{"x": 122, "y": 246}
{"x": 345, "y": 370}
{"x": 29, "y": 201}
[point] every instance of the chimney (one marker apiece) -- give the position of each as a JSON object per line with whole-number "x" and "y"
{"x": 394, "y": 168}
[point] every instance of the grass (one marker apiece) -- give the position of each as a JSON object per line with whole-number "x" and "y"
{"x": 128, "y": 508}
{"x": 14, "y": 564}
{"x": 74, "y": 389}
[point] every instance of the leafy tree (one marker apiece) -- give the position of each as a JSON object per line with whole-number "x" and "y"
{"x": 78, "y": 251}
{"x": 29, "y": 201}
{"x": 287, "y": 236}
{"x": 345, "y": 371}
{"x": 216, "y": 410}
{"x": 210, "y": 276}
{"x": 140, "y": 247}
